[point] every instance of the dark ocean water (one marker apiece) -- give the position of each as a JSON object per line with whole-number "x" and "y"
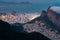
{"x": 24, "y": 7}
{"x": 19, "y": 8}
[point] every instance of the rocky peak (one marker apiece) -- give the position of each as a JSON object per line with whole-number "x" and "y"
{"x": 43, "y": 14}
{"x": 54, "y": 17}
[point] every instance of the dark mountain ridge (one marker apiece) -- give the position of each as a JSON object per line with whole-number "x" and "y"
{"x": 7, "y": 34}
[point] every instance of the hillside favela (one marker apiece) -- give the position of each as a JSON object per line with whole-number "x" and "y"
{"x": 29, "y": 19}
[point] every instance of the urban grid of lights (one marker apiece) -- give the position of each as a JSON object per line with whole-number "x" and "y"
{"x": 20, "y": 18}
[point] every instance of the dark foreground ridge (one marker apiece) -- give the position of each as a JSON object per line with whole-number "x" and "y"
{"x": 7, "y": 34}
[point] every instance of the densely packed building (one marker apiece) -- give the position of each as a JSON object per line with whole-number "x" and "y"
{"x": 19, "y": 18}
